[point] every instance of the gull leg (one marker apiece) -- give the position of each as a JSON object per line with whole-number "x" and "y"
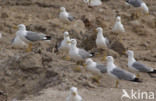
{"x": 29, "y": 49}
{"x": 116, "y": 84}
{"x": 67, "y": 58}
{"x": 96, "y": 79}
{"x": 137, "y": 75}
{"x": 104, "y": 56}
{"x": 77, "y": 68}
{"x": 119, "y": 37}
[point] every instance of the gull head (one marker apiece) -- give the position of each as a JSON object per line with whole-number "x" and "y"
{"x": 99, "y": 29}
{"x": 74, "y": 91}
{"x": 73, "y": 42}
{"x": 66, "y": 34}
{"x": 21, "y": 27}
{"x": 130, "y": 53}
{"x": 62, "y": 9}
{"x": 110, "y": 59}
{"x": 118, "y": 18}
{"x": 88, "y": 61}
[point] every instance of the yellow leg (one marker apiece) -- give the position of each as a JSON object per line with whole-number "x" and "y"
{"x": 137, "y": 75}
{"x": 146, "y": 14}
{"x": 77, "y": 69}
{"x": 96, "y": 79}
{"x": 67, "y": 58}
{"x": 29, "y": 49}
{"x": 84, "y": 65}
{"x": 116, "y": 84}
{"x": 104, "y": 56}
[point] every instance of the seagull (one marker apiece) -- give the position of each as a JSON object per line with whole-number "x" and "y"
{"x": 137, "y": 66}
{"x": 74, "y": 96}
{"x": 95, "y": 68}
{"x": 78, "y": 54}
{"x": 118, "y": 27}
{"x": 93, "y": 2}
{"x": 101, "y": 41}
{"x": 119, "y": 73}
{"x": 29, "y": 37}
{"x": 64, "y": 45}
{"x": 138, "y": 4}
{"x": 65, "y": 16}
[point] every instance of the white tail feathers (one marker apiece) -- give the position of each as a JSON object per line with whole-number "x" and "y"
{"x": 145, "y": 8}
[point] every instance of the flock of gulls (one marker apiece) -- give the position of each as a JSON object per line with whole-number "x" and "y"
{"x": 69, "y": 46}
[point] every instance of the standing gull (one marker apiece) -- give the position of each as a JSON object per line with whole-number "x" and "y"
{"x": 65, "y": 16}
{"x": 119, "y": 73}
{"x": 118, "y": 27}
{"x": 29, "y": 37}
{"x": 138, "y": 4}
{"x": 74, "y": 95}
{"x": 137, "y": 66}
{"x": 78, "y": 54}
{"x": 64, "y": 45}
{"x": 95, "y": 68}
{"x": 101, "y": 41}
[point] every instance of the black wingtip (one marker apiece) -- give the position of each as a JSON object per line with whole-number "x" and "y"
{"x": 92, "y": 53}
{"x": 136, "y": 80}
{"x": 154, "y": 71}
{"x": 48, "y": 37}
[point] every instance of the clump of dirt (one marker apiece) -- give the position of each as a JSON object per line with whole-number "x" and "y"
{"x": 26, "y": 74}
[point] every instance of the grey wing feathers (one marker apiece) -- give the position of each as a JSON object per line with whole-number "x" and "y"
{"x": 141, "y": 67}
{"x": 70, "y": 17}
{"x": 84, "y": 54}
{"x": 101, "y": 67}
{"x": 122, "y": 74}
{"x": 12, "y": 41}
{"x": 107, "y": 42}
{"x": 135, "y": 3}
{"x": 34, "y": 36}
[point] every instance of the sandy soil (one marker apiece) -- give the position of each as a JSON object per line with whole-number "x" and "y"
{"x": 43, "y": 75}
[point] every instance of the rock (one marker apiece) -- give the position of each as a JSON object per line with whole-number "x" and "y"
{"x": 113, "y": 53}
{"x": 118, "y": 46}
{"x": 4, "y": 15}
{"x": 30, "y": 61}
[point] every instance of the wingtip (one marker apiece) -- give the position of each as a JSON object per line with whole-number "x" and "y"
{"x": 92, "y": 54}
{"x": 154, "y": 71}
{"x": 136, "y": 80}
{"x": 47, "y": 37}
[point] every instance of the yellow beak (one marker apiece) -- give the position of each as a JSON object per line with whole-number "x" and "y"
{"x": 15, "y": 27}
{"x": 68, "y": 42}
{"x": 84, "y": 65}
{"x": 74, "y": 93}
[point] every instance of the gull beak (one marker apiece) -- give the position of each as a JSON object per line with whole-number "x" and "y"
{"x": 68, "y": 42}
{"x": 74, "y": 94}
{"x": 15, "y": 27}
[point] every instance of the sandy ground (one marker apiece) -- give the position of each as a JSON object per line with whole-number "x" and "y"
{"x": 43, "y": 75}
